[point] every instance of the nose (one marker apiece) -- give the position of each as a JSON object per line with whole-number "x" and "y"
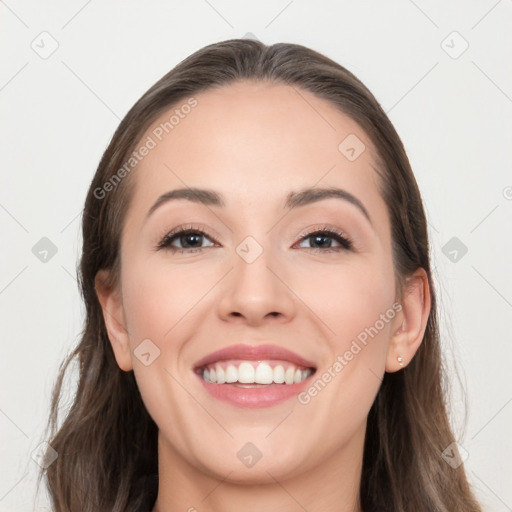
{"x": 256, "y": 292}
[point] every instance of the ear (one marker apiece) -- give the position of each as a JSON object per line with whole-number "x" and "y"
{"x": 410, "y": 323}
{"x": 113, "y": 315}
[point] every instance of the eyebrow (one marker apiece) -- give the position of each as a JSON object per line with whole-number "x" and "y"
{"x": 294, "y": 199}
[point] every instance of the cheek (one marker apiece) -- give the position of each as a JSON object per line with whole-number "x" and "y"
{"x": 357, "y": 304}
{"x": 161, "y": 304}
{"x": 156, "y": 299}
{"x": 351, "y": 299}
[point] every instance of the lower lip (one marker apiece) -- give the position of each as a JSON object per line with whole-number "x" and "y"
{"x": 264, "y": 396}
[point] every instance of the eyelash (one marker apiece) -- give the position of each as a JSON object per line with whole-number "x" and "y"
{"x": 345, "y": 242}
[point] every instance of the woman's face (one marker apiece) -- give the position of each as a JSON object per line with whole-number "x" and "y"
{"x": 253, "y": 281}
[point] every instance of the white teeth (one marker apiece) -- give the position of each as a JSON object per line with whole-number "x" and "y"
{"x": 231, "y": 374}
{"x": 278, "y": 374}
{"x": 221, "y": 377}
{"x": 247, "y": 373}
{"x": 264, "y": 374}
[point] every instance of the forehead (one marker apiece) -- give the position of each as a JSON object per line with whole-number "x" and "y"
{"x": 255, "y": 142}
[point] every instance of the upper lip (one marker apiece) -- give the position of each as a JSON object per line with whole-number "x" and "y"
{"x": 254, "y": 353}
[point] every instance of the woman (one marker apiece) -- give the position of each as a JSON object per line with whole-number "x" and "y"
{"x": 226, "y": 363}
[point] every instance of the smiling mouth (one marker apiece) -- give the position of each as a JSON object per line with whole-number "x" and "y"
{"x": 251, "y": 373}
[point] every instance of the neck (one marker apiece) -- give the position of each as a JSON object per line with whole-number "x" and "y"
{"x": 333, "y": 486}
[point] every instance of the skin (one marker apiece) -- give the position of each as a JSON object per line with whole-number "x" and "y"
{"x": 254, "y": 143}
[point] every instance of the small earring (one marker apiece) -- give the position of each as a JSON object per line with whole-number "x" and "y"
{"x": 400, "y": 360}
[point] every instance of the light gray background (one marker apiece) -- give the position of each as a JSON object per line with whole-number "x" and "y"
{"x": 453, "y": 114}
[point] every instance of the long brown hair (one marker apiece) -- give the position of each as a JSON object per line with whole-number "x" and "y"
{"x": 107, "y": 442}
